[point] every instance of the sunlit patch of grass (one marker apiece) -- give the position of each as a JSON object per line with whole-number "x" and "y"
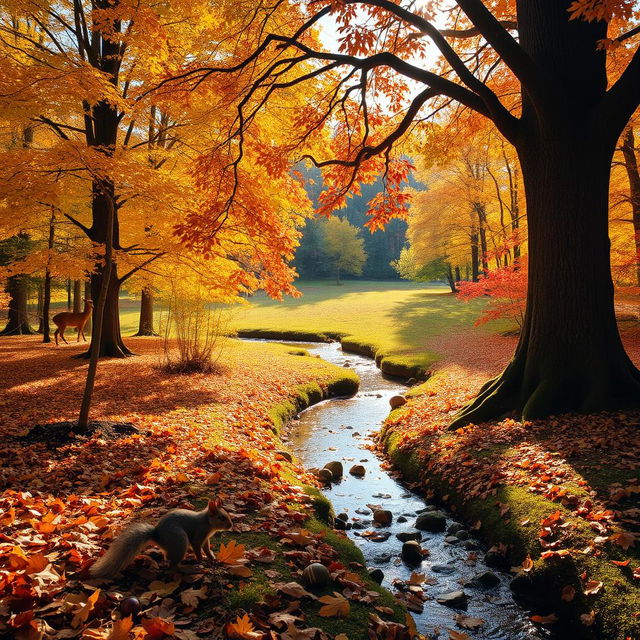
{"x": 391, "y": 321}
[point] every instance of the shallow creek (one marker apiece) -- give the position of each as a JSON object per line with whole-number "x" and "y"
{"x": 340, "y": 429}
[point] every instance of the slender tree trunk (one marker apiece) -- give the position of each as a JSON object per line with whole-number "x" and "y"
{"x": 458, "y": 278}
{"x": 482, "y": 233}
{"x": 18, "y": 318}
{"x": 69, "y": 298}
{"x": 106, "y": 278}
{"x": 46, "y": 303}
{"x": 77, "y": 296}
{"x": 450, "y": 279}
{"x": 102, "y": 133}
{"x": 145, "y": 325}
{"x": 87, "y": 296}
{"x": 475, "y": 256}
{"x": 631, "y": 166}
{"x": 39, "y": 308}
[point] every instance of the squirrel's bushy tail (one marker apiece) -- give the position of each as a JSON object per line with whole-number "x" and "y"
{"x": 123, "y": 550}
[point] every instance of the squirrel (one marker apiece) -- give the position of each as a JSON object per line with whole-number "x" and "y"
{"x": 175, "y": 531}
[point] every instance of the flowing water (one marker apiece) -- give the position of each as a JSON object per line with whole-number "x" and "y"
{"x": 340, "y": 429}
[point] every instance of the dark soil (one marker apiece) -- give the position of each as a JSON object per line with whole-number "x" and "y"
{"x": 58, "y": 434}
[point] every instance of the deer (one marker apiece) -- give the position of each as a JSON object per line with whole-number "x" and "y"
{"x": 70, "y": 319}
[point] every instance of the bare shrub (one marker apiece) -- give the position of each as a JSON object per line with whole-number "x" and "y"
{"x": 195, "y": 334}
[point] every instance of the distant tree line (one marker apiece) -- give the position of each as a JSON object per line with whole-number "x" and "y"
{"x": 380, "y": 248}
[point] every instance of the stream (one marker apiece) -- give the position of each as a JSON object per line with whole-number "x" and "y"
{"x": 340, "y": 429}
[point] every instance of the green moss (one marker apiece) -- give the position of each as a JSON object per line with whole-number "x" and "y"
{"x": 321, "y": 505}
{"x": 344, "y": 383}
{"x": 247, "y": 592}
{"x": 355, "y": 626}
{"x": 620, "y": 598}
{"x": 408, "y": 463}
{"x": 287, "y": 334}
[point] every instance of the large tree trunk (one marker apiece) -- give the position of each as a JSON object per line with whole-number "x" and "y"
{"x": 145, "y": 325}
{"x": 570, "y": 356}
{"x": 18, "y": 319}
{"x": 111, "y": 344}
{"x": 102, "y": 133}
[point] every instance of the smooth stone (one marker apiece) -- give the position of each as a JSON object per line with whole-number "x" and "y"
{"x": 454, "y": 599}
{"x": 358, "y": 525}
{"x": 377, "y": 575}
{"x": 336, "y": 468}
{"x": 471, "y": 545}
{"x": 325, "y": 476}
{"x": 340, "y": 525}
{"x": 342, "y": 516}
{"x": 445, "y": 569}
{"x": 405, "y": 536}
{"x": 383, "y": 517}
{"x": 382, "y": 559}
{"x": 286, "y": 455}
{"x": 401, "y": 519}
{"x": 487, "y": 579}
{"x": 452, "y": 540}
{"x": 495, "y": 560}
{"x": 432, "y": 521}
{"x": 454, "y": 527}
{"x": 363, "y": 512}
{"x": 411, "y": 381}
{"x": 412, "y": 552}
{"x": 463, "y": 534}
{"x": 397, "y": 401}
{"x": 358, "y": 470}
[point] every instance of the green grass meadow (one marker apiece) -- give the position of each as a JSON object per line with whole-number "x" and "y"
{"x": 392, "y": 319}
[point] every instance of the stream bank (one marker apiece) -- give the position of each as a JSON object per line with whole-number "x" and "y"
{"x": 403, "y": 367}
{"x": 456, "y": 589}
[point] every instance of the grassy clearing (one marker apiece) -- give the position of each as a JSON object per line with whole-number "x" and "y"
{"x": 391, "y": 321}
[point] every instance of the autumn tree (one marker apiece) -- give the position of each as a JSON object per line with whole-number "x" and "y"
{"x": 343, "y": 247}
{"x": 83, "y": 75}
{"x": 564, "y": 120}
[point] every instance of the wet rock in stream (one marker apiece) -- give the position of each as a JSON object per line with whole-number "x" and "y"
{"x": 432, "y": 521}
{"x": 358, "y": 471}
{"x": 412, "y": 552}
{"x": 454, "y": 599}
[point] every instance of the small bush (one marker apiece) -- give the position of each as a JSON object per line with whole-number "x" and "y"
{"x": 195, "y": 334}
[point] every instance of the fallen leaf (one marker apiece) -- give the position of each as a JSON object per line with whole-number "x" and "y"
{"x": 334, "y": 606}
{"x": 230, "y": 553}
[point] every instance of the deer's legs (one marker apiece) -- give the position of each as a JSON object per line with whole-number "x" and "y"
{"x": 81, "y": 331}
{"x": 55, "y": 335}
{"x": 62, "y": 336}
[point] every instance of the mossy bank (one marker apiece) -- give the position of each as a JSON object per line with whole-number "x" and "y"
{"x": 581, "y": 582}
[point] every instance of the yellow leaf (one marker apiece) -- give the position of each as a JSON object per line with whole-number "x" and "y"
{"x": 230, "y": 553}
{"x": 120, "y": 629}
{"x": 242, "y": 628}
{"x": 335, "y": 606}
{"x": 82, "y": 613}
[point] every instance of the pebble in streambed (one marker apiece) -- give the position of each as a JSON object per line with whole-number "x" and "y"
{"x": 457, "y": 580}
